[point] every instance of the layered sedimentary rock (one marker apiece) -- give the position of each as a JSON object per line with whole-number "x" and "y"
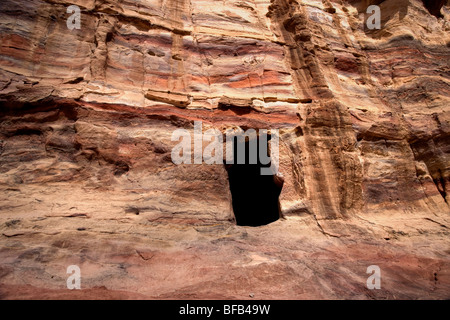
{"x": 87, "y": 117}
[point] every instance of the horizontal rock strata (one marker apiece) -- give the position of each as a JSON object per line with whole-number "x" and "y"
{"x": 87, "y": 116}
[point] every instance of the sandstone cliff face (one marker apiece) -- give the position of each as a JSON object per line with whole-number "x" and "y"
{"x": 85, "y": 144}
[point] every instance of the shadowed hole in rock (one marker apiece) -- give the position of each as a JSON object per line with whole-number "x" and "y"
{"x": 121, "y": 168}
{"x": 434, "y": 7}
{"x": 254, "y": 196}
{"x": 27, "y": 132}
{"x": 441, "y": 185}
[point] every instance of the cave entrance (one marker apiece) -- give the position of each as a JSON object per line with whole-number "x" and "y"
{"x": 254, "y": 196}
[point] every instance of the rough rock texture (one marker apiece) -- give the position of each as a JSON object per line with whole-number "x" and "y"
{"x": 86, "y": 175}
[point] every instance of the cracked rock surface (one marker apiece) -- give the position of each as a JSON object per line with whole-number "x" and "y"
{"x": 86, "y": 176}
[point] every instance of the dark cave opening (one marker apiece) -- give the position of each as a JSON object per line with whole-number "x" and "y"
{"x": 255, "y": 197}
{"x": 441, "y": 185}
{"x": 434, "y": 7}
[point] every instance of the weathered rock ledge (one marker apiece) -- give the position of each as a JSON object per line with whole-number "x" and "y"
{"x": 86, "y": 177}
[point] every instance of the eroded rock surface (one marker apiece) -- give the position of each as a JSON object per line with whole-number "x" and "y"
{"x": 86, "y": 174}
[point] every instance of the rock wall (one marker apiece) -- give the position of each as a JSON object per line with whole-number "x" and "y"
{"x": 86, "y": 116}
{"x": 363, "y": 114}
